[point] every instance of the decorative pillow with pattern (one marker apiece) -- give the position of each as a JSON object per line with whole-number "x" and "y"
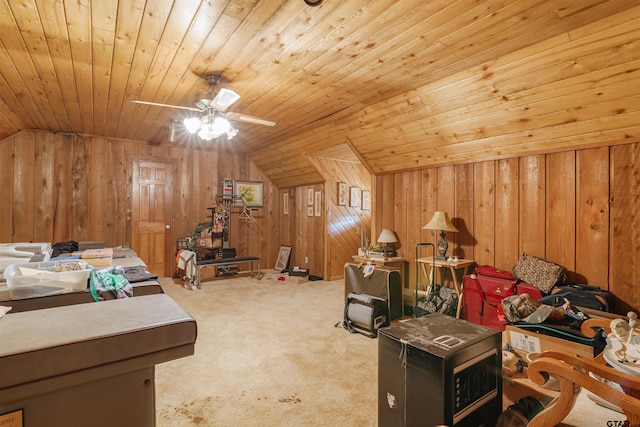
{"x": 539, "y": 272}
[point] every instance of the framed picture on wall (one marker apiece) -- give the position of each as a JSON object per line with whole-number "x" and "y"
{"x": 251, "y": 192}
{"x": 318, "y": 204}
{"x": 310, "y": 197}
{"x": 342, "y": 194}
{"x": 366, "y": 200}
{"x": 283, "y": 258}
{"x": 309, "y": 210}
{"x": 355, "y": 197}
{"x": 285, "y": 203}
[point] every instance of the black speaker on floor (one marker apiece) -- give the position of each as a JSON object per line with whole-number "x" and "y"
{"x": 437, "y": 370}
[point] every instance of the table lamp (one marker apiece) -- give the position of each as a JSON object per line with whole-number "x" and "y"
{"x": 441, "y": 222}
{"x": 387, "y": 236}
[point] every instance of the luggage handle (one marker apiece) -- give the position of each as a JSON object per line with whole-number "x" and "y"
{"x": 433, "y": 251}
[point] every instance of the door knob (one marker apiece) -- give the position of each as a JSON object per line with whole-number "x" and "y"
{"x": 167, "y": 226}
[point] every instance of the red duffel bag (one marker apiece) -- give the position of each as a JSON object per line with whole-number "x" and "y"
{"x": 483, "y": 292}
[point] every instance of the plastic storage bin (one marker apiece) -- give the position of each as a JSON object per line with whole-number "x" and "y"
{"x": 45, "y": 278}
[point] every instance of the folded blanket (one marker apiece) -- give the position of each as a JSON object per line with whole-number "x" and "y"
{"x": 137, "y": 274}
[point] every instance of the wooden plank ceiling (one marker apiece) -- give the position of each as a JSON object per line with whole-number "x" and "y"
{"x": 405, "y": 84}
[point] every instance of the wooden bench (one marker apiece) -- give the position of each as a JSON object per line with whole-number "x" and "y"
{"x": 220, "y": 262}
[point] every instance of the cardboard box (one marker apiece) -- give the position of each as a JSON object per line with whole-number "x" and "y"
{"x": 290, "y": 279}
{"x": 525, "y": 341}
{"x": 296, "y": 279}
{"x": 301, "y": 272}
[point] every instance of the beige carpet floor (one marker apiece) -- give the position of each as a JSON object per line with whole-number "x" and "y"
{"x": 268, "y": 354}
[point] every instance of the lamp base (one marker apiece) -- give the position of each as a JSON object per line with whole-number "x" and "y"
{"x": 442, "y": 246}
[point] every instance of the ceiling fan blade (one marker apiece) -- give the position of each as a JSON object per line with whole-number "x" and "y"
{"x": 224, "y": 98}
{"x": 250, "y": 119}
{"x": 166, "y": 105}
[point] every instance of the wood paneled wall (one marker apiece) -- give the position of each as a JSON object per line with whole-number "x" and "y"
{"x": 345, "y": 224}
{"x": 329, "y": 240}
{"x": 303, "y": 232}
{"x": 576, "y": 208}
{"x": 60, "y": 187}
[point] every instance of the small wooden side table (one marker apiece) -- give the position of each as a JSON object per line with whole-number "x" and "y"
{"x": 429, "y": 266}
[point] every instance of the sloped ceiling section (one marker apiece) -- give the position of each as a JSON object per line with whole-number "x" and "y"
{"x": 406, "y": 84}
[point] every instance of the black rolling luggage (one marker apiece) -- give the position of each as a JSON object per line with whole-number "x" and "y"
{"x": 384, "y": 282}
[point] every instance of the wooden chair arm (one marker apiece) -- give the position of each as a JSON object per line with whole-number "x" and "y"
{"x": 589, "y": 326}
{"x": 573, "y": 369}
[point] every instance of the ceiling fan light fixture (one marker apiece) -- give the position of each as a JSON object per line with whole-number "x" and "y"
{"x": 192, "y": 124}
{"x": 214, "y": 125}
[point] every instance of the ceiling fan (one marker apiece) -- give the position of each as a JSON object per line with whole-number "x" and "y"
{"x": 215, "y": 121}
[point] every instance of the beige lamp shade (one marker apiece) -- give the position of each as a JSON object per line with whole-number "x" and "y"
{"x": 440, "y": 222}
{"x": 387, "y": 236}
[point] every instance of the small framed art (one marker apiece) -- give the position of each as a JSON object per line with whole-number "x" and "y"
{"x": 366, "y": 200}
{"x": 318, "y": 204}
{"x": 310, "y": 197}
{"x": 342, "y": 194}
{"x": 355, "y": 197}
{"x": 283, "y": 258}
{"x": 251, "y": 192}
{"x": 285, "y": 203}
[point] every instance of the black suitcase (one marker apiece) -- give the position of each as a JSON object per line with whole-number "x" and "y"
{"x": 365, "y": 314}
{"x": 582, "y": 296}
{"x": 385, "y": 283}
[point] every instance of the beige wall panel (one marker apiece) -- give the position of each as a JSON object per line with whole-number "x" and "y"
{"x": 464, "y": 217}
{"x": 23, "y": 188}
{"x": 561, "y": 209}
{"x": 400, "y": 211}
{"x": 80, "y": 185}
{"x": 116, "y": 207}
{"x": 302, "y": 225}
{"x": 624, "y": 232}
{"x": 253, "y": 227}
{"x": 44, "y": 183}
{"x": 428, "y": 200}
{"x": 446, "y": 200}
{"x": 316, "y": 238}
{"x": 413, "y": 226}
{"x": 484, "y": 212}
{"x": 183, "y": 209}
{"x": 506, "y": 220}
{"x": 344, "y": 223}
{"x": 63, "y": 199}
{"x": 384, "y": 203}
{"x": 98, "y": 171}
{"x": 532, "y": 205}
{"x": 7, "y": 192}
{"x": 592, "y": 216}
{"x": 286, "y": 221}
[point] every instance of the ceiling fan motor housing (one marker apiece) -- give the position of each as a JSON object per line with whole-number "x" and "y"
{"x": 204, "y": 100}
{"x": 219, "y": 101}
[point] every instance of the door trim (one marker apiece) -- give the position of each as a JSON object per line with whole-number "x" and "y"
{"x": 168, "y": 240}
